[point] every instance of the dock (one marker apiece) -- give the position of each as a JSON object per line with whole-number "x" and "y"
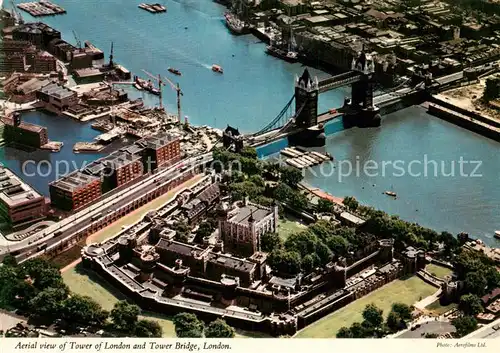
{"x": 153, "y": 8}
{"x": 41, "y": 8}
{"x": 304, "y": 159}
{"x": 89, "y": 147}
{"x": 52, "y": 146}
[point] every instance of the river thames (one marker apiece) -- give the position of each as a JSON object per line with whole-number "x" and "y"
{"x": 191, "y": 37}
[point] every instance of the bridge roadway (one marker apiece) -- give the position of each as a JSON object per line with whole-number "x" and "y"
{"x": 343, "y": 79}
{"x": 86, "y": 217}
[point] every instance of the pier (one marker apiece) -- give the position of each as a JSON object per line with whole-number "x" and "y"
{"x": 153, "y": 8}
{"x": 42, "y": 8}
{"x": 304, "y": 159}
{"x": 89, "y": 147}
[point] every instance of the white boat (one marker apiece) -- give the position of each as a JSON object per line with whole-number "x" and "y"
{"x": 497, "y": 234}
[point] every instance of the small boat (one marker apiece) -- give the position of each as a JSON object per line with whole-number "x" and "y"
{"x": 497, "y": 234}
{"x": 217, "y": 68}
{"x": 390, "y": 193}
{"x": 174, "y": 71}
{"x": 138, "y": 86}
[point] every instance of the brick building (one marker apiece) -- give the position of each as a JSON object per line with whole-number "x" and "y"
{"x": 161, "y": 150}
{"x": 241, "y": 227}
{"x": 19, "y": 132}
{"x": 19, "y": 203}
{"x": 37, "y": 33}
{"x": 117, "y": 169}
{"x": 74, "y": 191}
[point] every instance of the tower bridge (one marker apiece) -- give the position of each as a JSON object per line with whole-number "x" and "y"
{"x": 299, "y": 120}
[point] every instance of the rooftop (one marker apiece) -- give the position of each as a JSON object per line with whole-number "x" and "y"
{"x": 157, "y": 141}
{"x": 74, "y": 181}
{"x": 57, "y": 91}
{"x": 246, "y": 213}
{"x": 13, "y": 191}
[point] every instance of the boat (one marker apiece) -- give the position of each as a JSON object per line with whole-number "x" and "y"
{"x": 217, "y": 68}
{"x": 138, "y": 86}
{"x": 390, "y": 193}
{"x": 174, "y": 71}
{"x": 236, "y": 25}
{"x": 497, "y": 234}
{"x": 289, "y": 54}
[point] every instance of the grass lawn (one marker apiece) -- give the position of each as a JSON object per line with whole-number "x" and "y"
{"x": 438, "y": 271}
{"x": 87, "y": 283}
{"x": 437, "y": 309}
{"x": 288, "y": 226}
{"x": 138, "y": 214}
{"x": 407, "y": 291}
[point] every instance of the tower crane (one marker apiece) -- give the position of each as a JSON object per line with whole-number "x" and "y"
{"x": 179, "y": 92}
{"x": 78, "y": 42}
{"x": 160, "y": 84}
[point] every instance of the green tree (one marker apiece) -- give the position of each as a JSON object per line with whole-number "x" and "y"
{"x": 464, "y": 325}
{"x": 344, "y": 332}
{"x": 9, "y": 260}
{"x": 476, "y": 283}
{"x": 187, "y": 325}
{"x": 404, "y": 311}
{"x": 48, "y": 303}
{"x": 394, "y": 321}
{"x": 125, "y": 316}
{"x": 357, "y": 330}
{"x": 373, "y": 315}
{"x": 298, "y": 201}
{"x": 325, "y": 205}
{"x": 249, "y": 152}
{"x": 219, "y": 329}
{"x": 270, "y": 242}
{"x": 291, "y": 176}
{"x": 205, "y": 229}
{"x": 470, "y": 304}
{"x": 83, "y": 310}
{"x": 182, "y": 231}
{"x": 351, "y": 203}
{"x": 338, "y": 244}
{"x": 148, "y": 328}
{"x": 286, "y": 262}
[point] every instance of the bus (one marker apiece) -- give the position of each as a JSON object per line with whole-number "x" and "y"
{"x": 41, "y": 247}
{"x": 96, "y": 217}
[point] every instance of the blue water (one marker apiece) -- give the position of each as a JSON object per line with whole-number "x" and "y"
{"x": 253, "y": 90}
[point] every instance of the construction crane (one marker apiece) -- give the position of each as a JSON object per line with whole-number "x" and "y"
{"x": 160, "y": 84}
{"x": 78, "y": 43}
{"x": 177, "y": 88}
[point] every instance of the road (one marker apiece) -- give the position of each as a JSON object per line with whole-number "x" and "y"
{"x": 438, "y": 327}
{"x": 69, "y": 226}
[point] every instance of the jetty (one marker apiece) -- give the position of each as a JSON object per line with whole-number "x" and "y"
{"x": 41, "y": 8}
{"x": 302, "y": 159}
{"x": 153, "y": 8}
{"x": 90, "y": 147}
{"x": 52, "y": 146}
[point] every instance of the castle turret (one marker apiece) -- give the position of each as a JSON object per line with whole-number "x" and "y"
{"x": 306, "y": 100}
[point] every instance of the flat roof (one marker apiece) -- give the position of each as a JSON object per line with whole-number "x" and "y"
{"x": 13, "y": 190}
{"x": 57, "y": 91}
{"x": 317, "y": 19}
{"x": 231, "y": 262}
{"x": 243, "y": 215}
{"x": 74, "y": 181}
{"x": 156, "y": 141}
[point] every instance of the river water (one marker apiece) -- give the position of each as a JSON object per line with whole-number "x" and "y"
{"x": 253, "y": 90}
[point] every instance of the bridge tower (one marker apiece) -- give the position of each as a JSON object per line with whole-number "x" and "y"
{"x": 306, "y": 100}
{"x": 363, "y": 112}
